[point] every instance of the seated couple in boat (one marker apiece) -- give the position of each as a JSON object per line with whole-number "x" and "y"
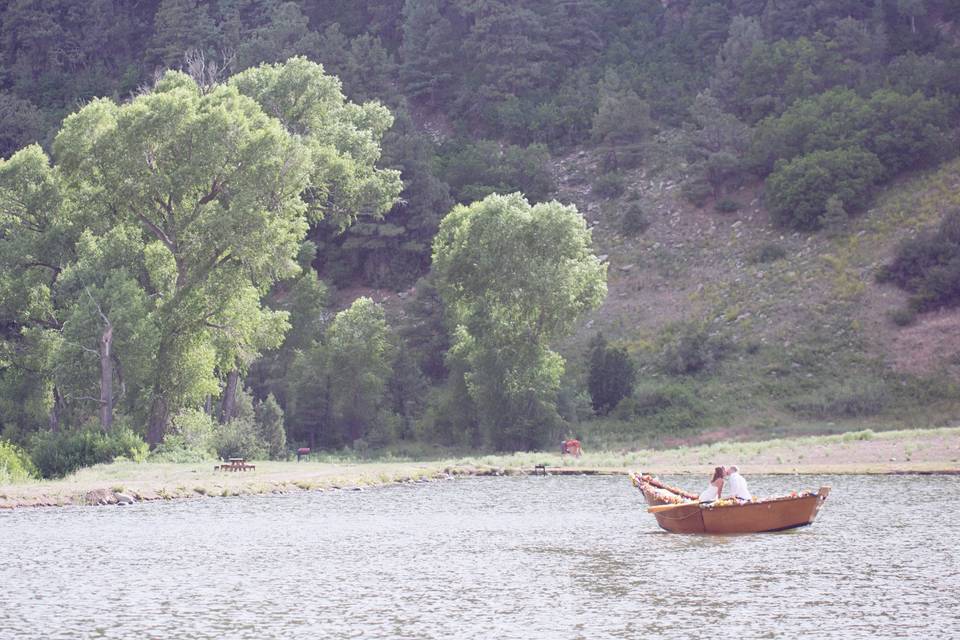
{"x": 737, "y": 485}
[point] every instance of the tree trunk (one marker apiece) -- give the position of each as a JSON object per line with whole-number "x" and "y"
{"x": 208, "y": 405}
{"x": 229, "y": 406}
{"x": 54, "y": 417}
{"x": 158, "y": 419}
{"x": 106, "y": 379}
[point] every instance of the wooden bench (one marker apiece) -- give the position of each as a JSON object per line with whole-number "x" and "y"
{"x": 235, "y": 464}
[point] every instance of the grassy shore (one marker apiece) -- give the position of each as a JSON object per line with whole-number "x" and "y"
{"x": 913, "y": 451}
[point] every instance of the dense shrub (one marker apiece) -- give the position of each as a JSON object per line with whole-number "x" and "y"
{"x": 609, "y": 185}
{"x": 903, "y": 317}
{"x": 929, "y": 266}
{"x": 634, "y": 219}
{"x": 689, "y": 349}
{"x": 727, "y": 205}
{"x": 696, "y": 191}
{"x": 903, "y": 131}
{"x": 239, "y": 438}
{"x": 15, "y": 464}
{"x": 58, "y": 454}
{"x": 190, "y": 438}
{"x": 766, "y": 252}
{"x": 797, "y": 191}
{"x": 663, "y": 408}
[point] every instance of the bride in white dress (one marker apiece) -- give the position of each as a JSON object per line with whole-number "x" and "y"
{"x": 713, "y": 490}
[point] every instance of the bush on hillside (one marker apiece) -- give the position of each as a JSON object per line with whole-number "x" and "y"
{"x": 475, "y": 169}
{"x": 662, "y": 408}
{"x": 929, "y": 266}
{"x": 609, "y": 185}
{"x": 903, "y": 317}
{"x": 58, "y": 454}
{"x": 797, "y": 191}
{"x": 690, "y": 349}
{"x": 634, "y": 220}
{"x": 727, "y": 205}
{"x": 696, "y": 191}
{"x": 766, "y": 252}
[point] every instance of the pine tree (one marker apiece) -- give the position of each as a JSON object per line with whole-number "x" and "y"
{"x": 428, "y": 51}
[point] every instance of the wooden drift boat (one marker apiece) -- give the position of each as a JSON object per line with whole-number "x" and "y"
{"x": 678, "y": 511}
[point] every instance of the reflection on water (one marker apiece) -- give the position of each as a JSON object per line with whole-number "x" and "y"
{"x": 540, "y": 557}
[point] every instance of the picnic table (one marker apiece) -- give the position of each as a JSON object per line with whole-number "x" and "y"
{"x": 235, "y": 464}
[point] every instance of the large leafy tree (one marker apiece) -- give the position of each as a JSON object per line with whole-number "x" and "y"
{"x": 514, "y": 278}
{"x": 220, "y": 184}
{"x": 214, "y": 184}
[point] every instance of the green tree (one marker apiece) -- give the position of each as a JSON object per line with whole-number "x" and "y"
{"x": 219, "y": 189}
{"x": 181, "y": 26}
{"x": 109, "y": 335}
{"x": 622, "y": 121}
{"x": 611, "y": 375}
{"x": 269, "y": 418}
{"x": 514, "y": 277}
{"x": 359, "y": 355}
{"x": 286, "y": 34}
{"x": 428, "y": 52}
{"x": 423, "y": 330}
{"x": 36, "y": 244}
{"x": 343, "y": 138}
{"x": 21, "y": 123}
{"x": 214, "y": 184}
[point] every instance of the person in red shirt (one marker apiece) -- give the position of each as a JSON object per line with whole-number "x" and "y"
{"x": 571, "y": 446}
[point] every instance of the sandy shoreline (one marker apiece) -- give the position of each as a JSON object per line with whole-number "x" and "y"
{"x": 929, "y": 451}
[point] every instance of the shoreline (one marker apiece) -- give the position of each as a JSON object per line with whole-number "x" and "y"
{"x": 914, "y": 452}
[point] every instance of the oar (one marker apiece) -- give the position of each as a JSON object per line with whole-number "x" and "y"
{"x": 657, "y": 508}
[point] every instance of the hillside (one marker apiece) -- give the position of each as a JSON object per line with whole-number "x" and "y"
{"x": 801, "y": 329}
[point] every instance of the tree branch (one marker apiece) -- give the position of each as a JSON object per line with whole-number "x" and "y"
{"x": 158, "y": 232}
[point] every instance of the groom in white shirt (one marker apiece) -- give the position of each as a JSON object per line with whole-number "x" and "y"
{"x": 736, "y": 483}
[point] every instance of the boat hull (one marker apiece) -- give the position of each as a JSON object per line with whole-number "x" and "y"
{"x": 751, "y": 517}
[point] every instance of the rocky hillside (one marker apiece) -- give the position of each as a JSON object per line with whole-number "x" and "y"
{"x": 792, "y": 328}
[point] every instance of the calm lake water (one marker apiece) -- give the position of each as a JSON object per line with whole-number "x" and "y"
{"x": 554, "y": 557}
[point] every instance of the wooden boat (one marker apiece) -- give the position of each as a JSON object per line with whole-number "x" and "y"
{"x": 678, "y": 511}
